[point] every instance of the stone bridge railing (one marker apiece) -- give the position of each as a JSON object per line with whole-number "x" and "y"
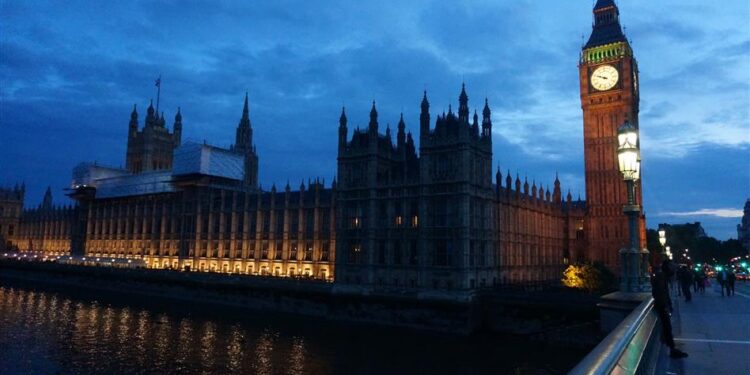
{"x": 631, "y": 348}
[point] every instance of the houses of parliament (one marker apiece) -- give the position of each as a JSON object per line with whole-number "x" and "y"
{"x": 397, "y": 216}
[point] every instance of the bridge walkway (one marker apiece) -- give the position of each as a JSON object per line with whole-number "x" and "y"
{"x": 713, "y": 330}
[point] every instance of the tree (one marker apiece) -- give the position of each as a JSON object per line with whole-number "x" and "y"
{"x": 591, "y": 277}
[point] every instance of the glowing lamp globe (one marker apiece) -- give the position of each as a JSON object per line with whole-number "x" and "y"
{"x": 662, "y": 236}
{"x": 628, "y": 155}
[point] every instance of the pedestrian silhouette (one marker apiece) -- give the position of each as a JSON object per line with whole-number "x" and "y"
{"x": 663, "y": 305}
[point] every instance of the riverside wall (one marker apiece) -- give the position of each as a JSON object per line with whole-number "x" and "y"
{"x": 459, "y": 313}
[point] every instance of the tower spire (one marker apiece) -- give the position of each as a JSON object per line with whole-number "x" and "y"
{"x": 246, "y": 109}
{"x": 463, "y": 105}
{"x": 177, "y": 128}
{"x": 373, "y": 119}
{"x": 243, "y": 141}
{"x": 158, "y": 92}
{"x": 401, "y": 134}
{"x": 486, "y": 119}
{"x": 47, "y": 201}
{"x": 424, "y": 118}
{"x": 133, "y": 126}
{"x": 342, "y": 130}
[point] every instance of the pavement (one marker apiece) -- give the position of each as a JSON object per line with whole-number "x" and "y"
{"x": 713, "y": 330}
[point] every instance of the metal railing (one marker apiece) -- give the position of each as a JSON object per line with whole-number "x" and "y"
{"x": 631, "y": 348}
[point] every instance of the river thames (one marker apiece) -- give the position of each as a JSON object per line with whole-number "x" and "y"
{"x": 44, "y": 331}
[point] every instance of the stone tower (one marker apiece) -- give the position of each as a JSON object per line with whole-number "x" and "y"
{"x": 151, "y": 148}
{"x": 243, "y": 144}
{"x": 608, "y": 74}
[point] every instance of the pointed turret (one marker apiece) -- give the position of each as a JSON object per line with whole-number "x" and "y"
{"x": 486, "y": 119}
{"x": 463, "y": 105}
{"x": 525, "y": 186}
{"x": 177, "y": 128}
{"x": 246, "y": 108}
{"x": 557, "y": 195}
{"x": 151, "y": 118}
{"x": 133, "y": 125}
{"x": 498, "y": 178}
{"x": 424, "y": 118}
{"x": 343, "y": 130}
{"x": 401, "y": 135}
{"x": 243, "y": 142}
{"x": 373, "y": 127}
{"x": 508, "y": 180}
{"x": 47, "y": 200}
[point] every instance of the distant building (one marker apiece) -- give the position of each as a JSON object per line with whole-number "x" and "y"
{"x": 687, "y": 231}
{"x": 46, "y": 228}
{"x": 743, "y": 229}
{"x": 11, "y": 204}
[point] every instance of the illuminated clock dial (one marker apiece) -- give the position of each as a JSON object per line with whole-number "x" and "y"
{"x": 604, "y": 77}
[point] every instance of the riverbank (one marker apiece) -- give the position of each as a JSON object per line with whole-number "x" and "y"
{"x": 547, "y": 317}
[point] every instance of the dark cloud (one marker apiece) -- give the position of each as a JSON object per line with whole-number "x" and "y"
{"x": 70, "y": 73}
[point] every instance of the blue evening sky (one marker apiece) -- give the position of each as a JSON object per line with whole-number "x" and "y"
{"x": 71, "y": 71}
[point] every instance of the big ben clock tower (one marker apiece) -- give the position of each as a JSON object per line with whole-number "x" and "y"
{"x": 608, "y": 75}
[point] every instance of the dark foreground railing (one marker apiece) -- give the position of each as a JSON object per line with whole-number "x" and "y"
{"x": 631, "y": 348}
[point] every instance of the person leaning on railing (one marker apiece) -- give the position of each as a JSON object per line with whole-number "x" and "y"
{"x": 663, "y": 305}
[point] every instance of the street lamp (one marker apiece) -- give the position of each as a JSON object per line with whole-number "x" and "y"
{"x": 633, "y": 261}
{"x": 662, "y": 239}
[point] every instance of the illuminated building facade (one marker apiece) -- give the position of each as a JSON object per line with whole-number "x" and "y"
{"x": 46, "y": 228}
{"x": 397, "y": 218}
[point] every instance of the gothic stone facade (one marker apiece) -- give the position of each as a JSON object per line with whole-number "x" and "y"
{"x": 398, "y": 218}
{"x": 46, "y": 229}
{"x": 11, "y": 204}
{"x": 436, "y": 220}
{"x": 151, "y": 148}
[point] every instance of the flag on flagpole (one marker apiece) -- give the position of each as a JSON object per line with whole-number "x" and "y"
{"x": 158, "y": 82}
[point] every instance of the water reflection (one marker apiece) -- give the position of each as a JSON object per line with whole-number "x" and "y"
{"x": 68, "y": 333}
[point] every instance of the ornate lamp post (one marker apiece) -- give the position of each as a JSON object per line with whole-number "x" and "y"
{"x": 663, "y": 241}
{"x": 633, "y": 261}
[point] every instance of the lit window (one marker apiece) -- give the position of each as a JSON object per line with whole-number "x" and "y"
{"x": 399, "y": 221}
{"x": 414, "y": 221}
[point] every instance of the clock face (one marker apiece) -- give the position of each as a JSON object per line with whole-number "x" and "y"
{"x": 604, "y": 77}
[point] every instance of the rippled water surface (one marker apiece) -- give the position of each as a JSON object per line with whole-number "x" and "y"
{"x": 68, "y": 332}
